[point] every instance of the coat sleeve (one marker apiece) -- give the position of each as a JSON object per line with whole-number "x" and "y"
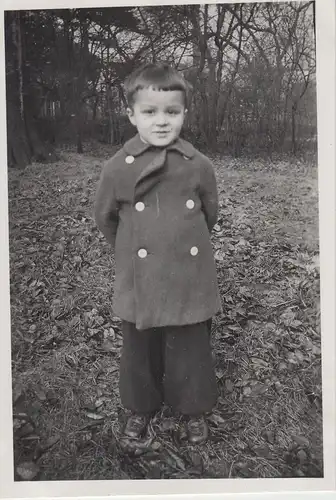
{"x": 209, "y": 193}
{"x": 106, "y": 206}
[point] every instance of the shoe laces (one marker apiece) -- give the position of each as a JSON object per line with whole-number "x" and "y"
{"x": 137, "y": 421}
{"x": 196, "y": 423}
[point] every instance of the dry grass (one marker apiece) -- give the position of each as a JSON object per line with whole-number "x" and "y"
{"x": 268, "y": 419}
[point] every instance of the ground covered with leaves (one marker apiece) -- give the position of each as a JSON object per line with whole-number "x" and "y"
{"x": 66, "y": 342}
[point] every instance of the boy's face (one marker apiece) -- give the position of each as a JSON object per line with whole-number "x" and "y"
{"x": 158, "y": 115}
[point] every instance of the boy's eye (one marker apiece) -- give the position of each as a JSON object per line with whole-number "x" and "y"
{"x": 168, "y": 111}
{"x": 174, "y": 111}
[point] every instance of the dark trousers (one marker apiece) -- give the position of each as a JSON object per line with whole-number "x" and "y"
{"x": 170, "y": 364}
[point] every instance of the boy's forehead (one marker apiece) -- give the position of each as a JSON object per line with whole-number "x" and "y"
{"x": 151, "y": 95}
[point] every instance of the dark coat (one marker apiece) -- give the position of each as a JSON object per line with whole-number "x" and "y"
{"x": 156, "y": 208}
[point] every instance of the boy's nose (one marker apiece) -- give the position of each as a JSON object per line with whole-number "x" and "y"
{"x": 161, "y": 119}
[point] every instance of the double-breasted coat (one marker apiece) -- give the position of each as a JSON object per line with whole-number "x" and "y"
{"x": 156, "y": 207}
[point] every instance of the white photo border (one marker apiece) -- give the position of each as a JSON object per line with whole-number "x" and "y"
{"x": 244, "y": 489}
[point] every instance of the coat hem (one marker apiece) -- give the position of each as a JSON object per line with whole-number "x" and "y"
{"x": 145, "y": 326}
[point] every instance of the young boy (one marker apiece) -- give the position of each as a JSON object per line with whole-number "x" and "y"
{"x": 156, "y": 205}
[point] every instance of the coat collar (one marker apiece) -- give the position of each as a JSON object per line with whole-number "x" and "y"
{"x": 136, "y": 147}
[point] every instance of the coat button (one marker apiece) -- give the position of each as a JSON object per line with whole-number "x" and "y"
{"x": 129, "y": 159}
{"x": 194, "y": 251}
{"x": 190, "y": 204}
{"x": 139, "y": 206}
{"x": 142, "y": 253}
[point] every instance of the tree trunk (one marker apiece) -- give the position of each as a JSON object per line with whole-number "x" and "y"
{"x": 18, "y": 149}
{"x": 110, "y": 115}
{"x": 79, "y": 130}
{"x": 17, "y": 39}
{"x": 23, "y": 141}
{"x": 95, "y": 107}
{"x": 80, "y": 149}
{"x": 294, "y": 144}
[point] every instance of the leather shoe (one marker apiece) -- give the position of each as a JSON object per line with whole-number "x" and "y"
{"x": 136, "y": 426}
{"x": 198, "y": 430}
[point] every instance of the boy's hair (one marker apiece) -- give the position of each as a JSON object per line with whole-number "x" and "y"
{"x": 159, "y": 76}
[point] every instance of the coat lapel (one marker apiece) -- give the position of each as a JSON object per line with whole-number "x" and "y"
{"x": 155, "y": 165}
{"x": 148, "y": 177}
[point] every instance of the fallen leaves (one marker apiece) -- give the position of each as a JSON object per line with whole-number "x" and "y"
{"x": 269, "y": 436}
{"x": 168, "y": 424}
{"x": 301, "y": 440}
{"x": 229, "y": 386}
{"x": 108, "y": 346}
{"x": 260, "y": 363}
{"x": 65, "y": 331}
{"x": 302, "y": 456}
{"x": 27, "y": 471}
{"x": 216, "y": 419}
{"x": 288, "y": 318}
{"x": 95, "y": 416}
{"x": 262, "y": 451}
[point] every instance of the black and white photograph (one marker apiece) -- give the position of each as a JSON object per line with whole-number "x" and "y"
{"x": 164, "y": 243}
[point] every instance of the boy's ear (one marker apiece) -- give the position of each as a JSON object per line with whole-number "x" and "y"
{"x": 130, "y": 115}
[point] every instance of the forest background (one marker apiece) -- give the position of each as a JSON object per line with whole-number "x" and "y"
{"x": 252, "y": 67}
